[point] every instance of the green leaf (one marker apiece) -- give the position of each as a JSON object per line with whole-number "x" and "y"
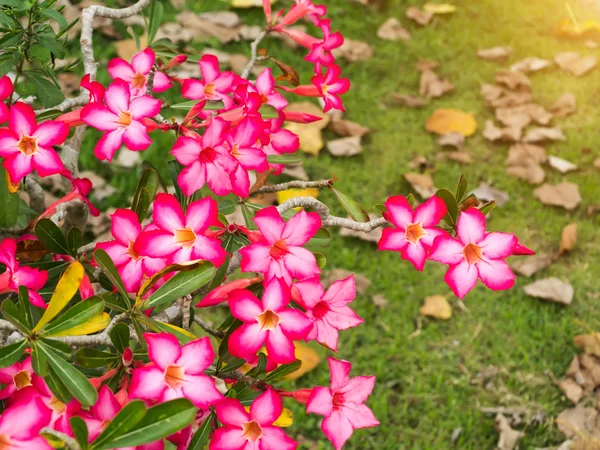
{"x": 356, "y": 211}
{"x": 486, "y": 208}
{"x": 284, "y": 159}
{"x": 322, "y": 238}
{"x": 268, "y": 111}
{"x": 183, "y": 336}
{"x": 128, "y": 418}
{"x": 410, "y": 198}
{"x": 9, "y": 202}
{"x": 156, "y": 16}
{"x": 145, "y": 192}
{"x": 73, "y": 379}
{"x": 48, "y": 115}
{"x": 321, "y": 259}
{"x": 114, "y": 301}
{"x": 38, "y": 360}
{"x": 47, "y": 92}
{"x": 90, "y": 358}
{"x": 200, "y": 439}
{"x": 119, "y": 336}
{"x": 461, "y": 188}
{"x": 74, "y": 240}
{"x": 77, "y": 315}
{"x": 14, "y": 315}
{"x": 109, "y": 269}
{"x": 232, "y": 366}
{"x": 139, "y": 330}
{"x": 57, "y": 387}
{"x": 80, "y": 431}
{"x": 11, "y": 353}
{"x": 160, "y": 421}
{"x": 183, "y": 283}
{"x": 52, "y": 14}
{"x": 64, "y": 350}
{"x": 50, "y": 235}
{"x": 450, "y": 201}
{"x": 187, "y": 105}
{"x": 25, "y": 305}
{"x": 282, "y": 371}
{"x": 174, "y": 169}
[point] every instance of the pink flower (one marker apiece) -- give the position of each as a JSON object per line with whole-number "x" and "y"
{"x": 221, "y": 294}
{"x": 277, "y": 250}
{"x": 269, "y": 321}
{"x": 342, "y": 404}
{"x": 329, "y": 310}
{"x": 254, "y": 430}
{"x": 176, "y": 372}
{"x": 331, "y": 86}
{"x": 21, "y": 423}
{"x": 6, "y": 90}
{"x": 121, "y": 119}
{"x": 301, "y": 9}
{"x": 265, "y": 86}
{"x": 321, "y": 52}
{"x": 132, "y": 266}
{"x": 414, "y": 231}
{"x": 215, "y": 85}
{"x": 475, "y": 254}
{"x": 205, "y": 161}
{"x": 17, "y": 377}
{"x": 95, "y": 89}
{"x": 136, "y": 73}
{"x": 15, "y": 275}
{"x": 180, "y": 237}
{"x": 27, "y": 146}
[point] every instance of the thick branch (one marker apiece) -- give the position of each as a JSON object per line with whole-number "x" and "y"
{"x": 254, "y": 57}
{"x": 37, "y": 198}
{"x": 296, "y": 184}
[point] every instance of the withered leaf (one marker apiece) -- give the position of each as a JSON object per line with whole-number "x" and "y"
{"x": 453, "y": 139}
{"x": 379, "y": 300}
{"x": 289, "y": 73}
{"x": 571, "y": 389}
{"x": 436, "y": 306}
{"x": 578, "y": 421}
{"x": 496, "y": 134}
{"x": 488, "y": 193}
{"x": 523, "y": 115}
{"x": 495, "y": 53}
{"x": 392, "y": 30}
{"x": 524, "y": 161}
{"x": 530, "y": 265}
{"x": 362, "y": 282}
{"x": 574, "y": 63}
{"x": 444, "y": 121}
{"x": 426, "y": 64}
{"x": 565, "y": 195}
{"x": 347, "y": 146}
{"x": 422, "y": 183}
{"x": 551, "y": 289}
{"x": 568, "y": 238}
{"x": 227, "y": 19}
{"x": 531, "y": 64}
{"x": 344, "y": 127}
{"x": 509, "y": 438}
{"x": 412, "y": 101}
{"x": 420, "y": 17}
{"x": 589, "y": 343}
{"x": 460, "y": 157}
{"x": 431, "y": 85}
{"x": 30, "y": 250}
{"x": 296, "y": 171}
{"x": 541, "y": 134}
{"x": 513, "y": 80}
{"x": 562, "y": 165}
{"x": 354, "y": 51}
{"x": 565, "y": 105}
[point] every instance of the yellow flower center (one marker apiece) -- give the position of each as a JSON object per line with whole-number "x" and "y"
{"x": 174, "y": 376}
{"x": 22, "y": 379}
{"x": 268, "y": 320}
{"x": 27, "y": 145}
{"x": 138, "y": 81}
{"x": 185, "y": 237}
{"x": 132, "y": 253}
{"x": 124, "y": 118}
{"x": 57, "y": 406}
{"x": 414, "y": 232}
{"x": 252, "y": 431}
{"x": 209, "y": 89}
{"x": 472, "y": 253}
{"x": 5, "y": 443}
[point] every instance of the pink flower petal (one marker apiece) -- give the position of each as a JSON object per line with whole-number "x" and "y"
{"x": 231, "y": 413}
{"x": 8, "y": 143}
{"x": 22, "y": 119}
{"x": 24, "y": 420}
{"x": 470, "y": 226}
{"x": 147, "y": 383}
{"x": 300, "y": 228}
{"x": 341, "y": 292}
{"x": 99, "y": 117}
{"x": 498, "y": 245}
{"x": 125, "y": 226}
{"x": 228, "y": 439}
{"x": 274, "y": 438}
{"x": 311, "y": 291}
{"x": 167, "y": 213}
{"x": 340, "y": 371}
{"x": 119, "y": 68}
{"x": 280, "y": 348}
{"x": 294, "y": 323}
{"x": 18, "y": 166}
{"x": 201, "y": 214}
{"x": 51, "y": 133}
{"x": 462, "y": 278}
{"x": 447, "y": 250}
{"x": 496, "y": 274}
{"x": 301, "y": 263}
{"x": 201, "y": 390}
{"x": 247, "y": 340}
{"x": 244, "y": 305}
{"x": 320, "y": 401}
{"x": 161, "y": 82}
{"x": 342, "y": 317}
{"x": 431, "y": 212}
{"x": 47, "y": 162}
{"x": 143, "y": 61}
{"x": 276, "y": 295}
{"x": 186, "y": 150}
{"x": 270, "y": 224}
{"x": 196, "y": 356}
{"x": 324, "y": 334}
{"x": 337, "y": 429}
{"x": 30, "y": 277}
{"x": 358, "y": 389}
{"x": 255, "y": 258}
{"x": 399, "y": 211}
{"x": 416, "y": 254}
{"x": 208, "y": 249}
{"x": 163, "y": 349}
{"x": 108, "y": 144}
{"x": 193, "y": 89}
{"x": 393, "y": 239}
{"x": 360, "y": 416}
{"x": 6, "y": 87}
{"x": 144, "y": 106}
{"x": 136, "y": 137}
{"x": 107, "y": 406}
{"x": 117, "y": 96}
{"x": 192, "y": 178}
{"x": 266, "y": 408}
{"x": 132, "y": 273}
{"x": 209, "y": 67}
{"x": 156, "y": 244}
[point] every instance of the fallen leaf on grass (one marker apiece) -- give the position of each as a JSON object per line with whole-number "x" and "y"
{"x": 551, "y": 289}
{"x": 531, "y": 64}
{"x": 248, "y": 3}
{"x": 444, "y": 121}
{"x": 347, "y": 146}
{"x": 348, "y": 128}
{"x": 296, "y": 171}
{"x": 379, "y": 300}
{"x": 571, "y": 389}
{"x": 453, "y": 139}
{"x": 495, "y": 53}
{"x": 523, "y": 115}
{"x": 541, "y": 134}
{"x": 426, "y": 64}
{"x": 311, "y": 138}
{"x": 597, "y": 163}
{"x": 524, "y": 161}
{"x": 509, "y": 438}
{"x": 227, "y": 19}
{"x": 392, "y": 30}
{"x": 574, "y": 63}
{"x": 459, "y": 157}
{"x": 431, "y": 85}
{"x": 532, "y": 264}
{"x": 436, "y": 306}
{"x": 565, "y": 195}
{"x": 354, "y": 51}
{"x": 578, "y": 421}
{"x": 493, "y": 133}
{"x": 562, "y": 165}
{"x": 439, "y": 8}
{"x": 283, "y": 196}
{"x": 488, "y": 193}
{"x": 422, "y": 183}
{"x": 564, "y": 106}
{"x": 421, "y": 17}
{"x": 513, "y": 80}
{"x": 361, "y": 281}
{"x": 589, "y": 343}
{"x": 412, "y": 101}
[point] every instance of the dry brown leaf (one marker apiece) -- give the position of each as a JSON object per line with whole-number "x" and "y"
{"x": 392, "y": 30}
{"x": 453, "y": 139}
{"x": 412, "y": 101}
{"x": 589, "y": 343}
{"x": 524, "y": 161}
{"x": 347, "y": 146}
{"x": 565, "y": 195}
{"x": 541, "y": 134}
{"x": 362, "y": 282}
{"x": 564, "y": 106}
{"x": 571, "y": 389}
{"x": 499, "y": 97}
{"x": 531, "y": 265}
{"x": 444, "y": 121}
{"x": 354, "y": 51}
{"x": 436, "y": 306}
{"x": 422, "y": 183}
{"x": 371, "y": 236}
{"x": 551, "y": 289}
{"x": 311, "y": 138}
{"x": 175, "y": 33}
{"x": 578, "y": 421}
{"x": 488, "y": 193}
{"x": 496, "y": 134}
{"x": 203, "y": 29}
{"x": 421, "y": 17}
{"x": 426, "y": 64}
{"x": 379, "y": 300}
{"x": 574, "y": 63}
{"x": 228, "y": 19}
{"x": 513, "y": 80}
{"x": 344, "y": 127}
{"x": 431, "y": 85}
{"x": 509, "y": 438}
{"x": 495, "y": 53}
{"x": 523, "y": 115}
{"x": 295, "y": 171}
{"x": 127, "y": 48}
{"x": 562, "y": 165}
{"x": 597, "y": 163}
{"x": 531, "y": 64}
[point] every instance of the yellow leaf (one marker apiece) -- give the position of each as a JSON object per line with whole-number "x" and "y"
{"x": 311, "y": 137}
{"x": 95, "y": 324}
{"x": 436, "y": 306}
{"x": 285, "y": 419}
{"x": 309, "y": 359}
{"x": 248, "y": 3}
{"x": 444, "y": 121}
{"x": 283, "y": 196}
{"x": 12, "y": 188}
{"x": 439, "y": 8}
{"x": 181, "y": 330}
{"x": 65, "y": 290}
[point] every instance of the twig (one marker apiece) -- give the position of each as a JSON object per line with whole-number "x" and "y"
{"x": 296, "y": 184}
{"x": 210, "y": 330}
{"x": 251, "y": 382}
{"x": 150, "y": 80}
{"x": 37, "y": 199}
{"x": 187, "y": 306}
{"x": 254, "y": 49}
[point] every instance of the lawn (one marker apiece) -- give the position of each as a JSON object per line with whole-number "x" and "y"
{"x": 425, "y": 388}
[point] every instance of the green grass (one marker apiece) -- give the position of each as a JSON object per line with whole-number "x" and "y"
{"x": 424, "y": 390}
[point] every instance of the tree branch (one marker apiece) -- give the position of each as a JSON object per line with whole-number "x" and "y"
{"x": 210, "y": 330}
{"x": 296, "y": 184}
{"x": 254, "y": 49}
{"x": 37, "y": 198}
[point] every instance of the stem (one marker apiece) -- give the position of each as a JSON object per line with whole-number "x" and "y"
{"x": 206, "y": 327}
{"x": 254, "y": 49}
{"x": 320, "y": 184}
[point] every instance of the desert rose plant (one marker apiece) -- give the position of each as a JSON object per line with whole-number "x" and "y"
{"x": 98, "y": 349}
